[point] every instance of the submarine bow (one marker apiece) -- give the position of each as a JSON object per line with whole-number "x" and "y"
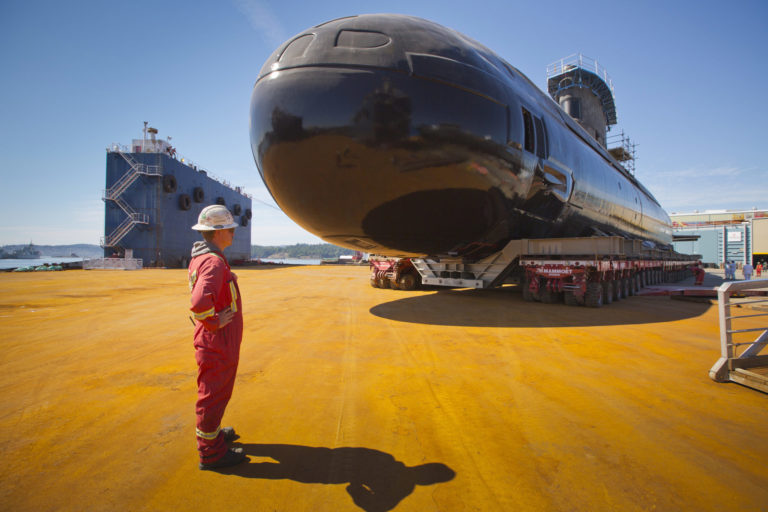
{"x": 395, "y": 135}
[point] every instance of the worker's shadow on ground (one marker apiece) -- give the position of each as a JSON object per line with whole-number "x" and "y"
{"x": 505, "y": 307}
{"x": 375, "y": 480}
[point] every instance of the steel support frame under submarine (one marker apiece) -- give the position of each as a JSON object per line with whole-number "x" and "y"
{"x": 397, "y": 136}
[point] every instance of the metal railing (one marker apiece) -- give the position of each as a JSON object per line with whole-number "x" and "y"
{"x": 123, "y": 149}
{"x": 120, "y": 231}
{"x": 113, "y": 264}
{"x": 578, "y": 60}
{"x": 739, "y": 359}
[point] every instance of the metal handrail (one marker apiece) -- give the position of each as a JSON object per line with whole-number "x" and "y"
{"x": 578, "y": 60}
{"x": 730, "y": 360}
{"x": 121, "y": 148}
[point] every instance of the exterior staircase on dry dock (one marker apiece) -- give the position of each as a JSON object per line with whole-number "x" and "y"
{"x": 115, "y": 192}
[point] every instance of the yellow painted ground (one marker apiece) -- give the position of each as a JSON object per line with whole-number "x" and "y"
{"x": 354, "y": 398}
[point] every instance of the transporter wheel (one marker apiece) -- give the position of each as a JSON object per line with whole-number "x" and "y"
{"x": 528, "y": 295}
{"x": 382, "y": 281}
{"x": 407, "y": 282}
{"x": 624, "y": 288}
{"x": 630, "y": 286}
{"x": 607, "y": 292}
{"x": 571, "y": 299}
{"x": 550, "y": 297}
{"x": 593, "y": 297}
{"x": 374, "y": 283}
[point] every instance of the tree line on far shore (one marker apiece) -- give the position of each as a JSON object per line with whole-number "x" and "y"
{"x": 310, "y": 251}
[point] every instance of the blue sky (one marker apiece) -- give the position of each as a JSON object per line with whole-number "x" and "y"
{"x": 77, "y": 76}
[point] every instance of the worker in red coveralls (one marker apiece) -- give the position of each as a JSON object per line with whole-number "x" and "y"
{"x": 218, "y": 314}
{"x": 699, "y": 272}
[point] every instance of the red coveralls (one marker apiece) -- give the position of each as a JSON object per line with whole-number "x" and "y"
{"x": 217, "y": 351}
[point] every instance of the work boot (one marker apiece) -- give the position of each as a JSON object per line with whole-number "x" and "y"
{"x": 231, "y": 458}
{"x": 229, "y": 434}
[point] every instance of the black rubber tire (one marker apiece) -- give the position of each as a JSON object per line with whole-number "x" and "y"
{"x": 593, "y": 297}
{"x": 616, "y": 290}
{"x": 407, "y": 282}
{"x": 527, "y": 294}
{"x": 169, "y": 183}
{"x": 236, "y": 209}
{"x": 248, "y": 213}
{"x": 243, "y": 221}
{"x": 220, "y": 200}
{"x": 607, "y": 292}
{"x": 550, "y": 297}
{"x": 185, "y": 202}
{"x": 571, "y": 299}
{"x": 198, "y": 195}
{"x": 374, "y": 283}
{"x": 624, "y": 288}
{"x": 383, "y": 282}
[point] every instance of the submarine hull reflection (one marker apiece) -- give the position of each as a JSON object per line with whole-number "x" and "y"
{"x": 397, "y": 136}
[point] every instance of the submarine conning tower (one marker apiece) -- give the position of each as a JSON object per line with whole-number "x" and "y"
{"x": 585, "y": 92}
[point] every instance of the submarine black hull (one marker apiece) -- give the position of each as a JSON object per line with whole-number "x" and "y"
{"x": 395, "y": 135}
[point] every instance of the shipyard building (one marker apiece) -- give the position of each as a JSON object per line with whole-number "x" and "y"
{"x": 153, "y": 197}
{"x": 723, "y": 235}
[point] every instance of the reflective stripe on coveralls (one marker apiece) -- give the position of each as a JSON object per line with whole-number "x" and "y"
{"x": 205, "y": 314}
{"x": 208, "y": 435}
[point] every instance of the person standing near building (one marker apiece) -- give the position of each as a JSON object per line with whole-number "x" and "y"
{"x": 759, "y": 269}
{"x": 747, "y": 270}
{"x": 217, "y": 309}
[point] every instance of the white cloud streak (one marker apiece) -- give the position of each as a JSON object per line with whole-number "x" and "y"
{"x": 263, "y": 20}
{"x": 729, "y": 188}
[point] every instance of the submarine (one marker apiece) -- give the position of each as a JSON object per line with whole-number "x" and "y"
{"x": 395, "y": 135}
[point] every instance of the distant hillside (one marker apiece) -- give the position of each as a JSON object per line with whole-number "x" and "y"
{"x": 61, "y": 251}
{"x": 312, "y": 251}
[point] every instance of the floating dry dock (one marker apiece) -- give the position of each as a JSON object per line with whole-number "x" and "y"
{"x": 354, "y": 398}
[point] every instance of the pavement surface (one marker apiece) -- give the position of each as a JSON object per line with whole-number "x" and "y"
{"x": 355, "y": 398}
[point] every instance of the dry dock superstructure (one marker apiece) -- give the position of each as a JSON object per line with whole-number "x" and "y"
{"x": 153, "y": 196}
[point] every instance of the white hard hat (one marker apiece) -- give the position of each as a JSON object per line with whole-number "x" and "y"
{"x": 214, "y": 217}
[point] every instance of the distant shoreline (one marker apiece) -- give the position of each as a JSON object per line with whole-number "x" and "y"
{"x": 9, "y": 263}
